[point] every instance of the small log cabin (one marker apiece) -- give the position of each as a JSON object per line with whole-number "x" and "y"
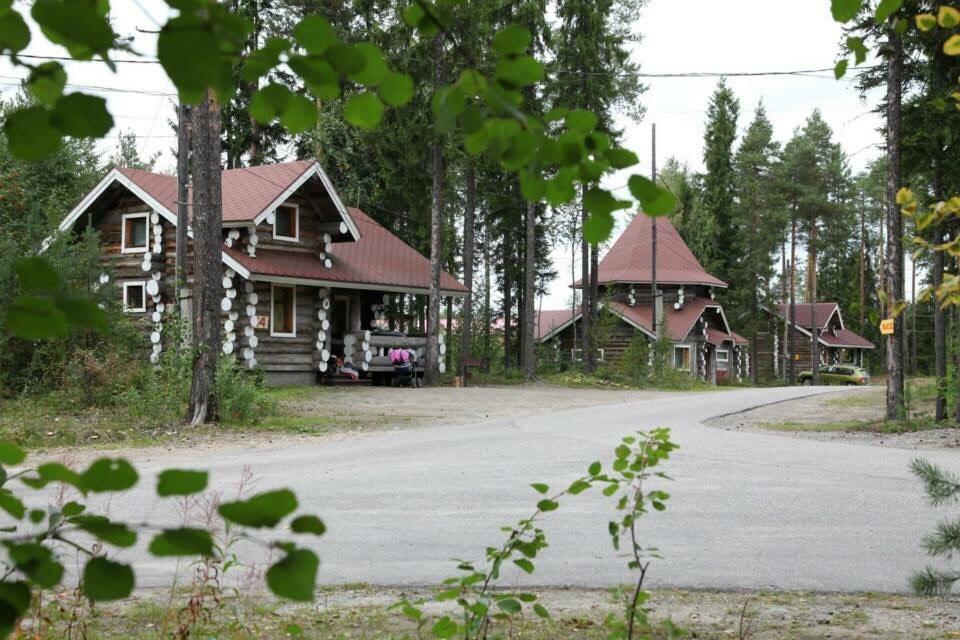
{"x": 307, "y": 282}
{"x": 703, "y": 342}
{"x": 838, "y": 345}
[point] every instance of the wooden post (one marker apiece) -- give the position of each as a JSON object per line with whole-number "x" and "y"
{"x": 654, "y": 294}
{"x": 183, "y": 180}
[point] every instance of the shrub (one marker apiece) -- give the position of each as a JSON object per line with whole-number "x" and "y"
{"x": 240, "y": 395}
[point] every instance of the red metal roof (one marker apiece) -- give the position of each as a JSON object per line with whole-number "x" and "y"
{"x": 717, "y": 337}
{"x": 824, "y": 311}
{"x": 161, "y": 188}
{"x": 547, "y": 321}
{"x": 378, "y": 258}
{"x": 629, "y": 259}
{"x": 845, "y": 338}
{"x": 246, "y": 192}
{"x": 678, "y": 322}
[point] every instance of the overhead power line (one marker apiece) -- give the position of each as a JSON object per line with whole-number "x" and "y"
{"x": 633, "y": 74}
{"x": 69, "y": 59}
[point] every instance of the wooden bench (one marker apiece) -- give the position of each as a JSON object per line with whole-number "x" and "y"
{"x": 483, "y": 364}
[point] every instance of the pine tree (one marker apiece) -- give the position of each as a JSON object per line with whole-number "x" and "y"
{"x": 718, "y": 181}
{"x": 941, "y": 487}
{"x": 760, "y": 216}
{"x": 595, "y": 35}
{"x": 693, "y": 223}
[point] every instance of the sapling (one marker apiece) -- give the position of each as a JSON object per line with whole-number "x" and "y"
{"x": 481, "y": 605}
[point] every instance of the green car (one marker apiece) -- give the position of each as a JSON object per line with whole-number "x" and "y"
{"x": 837, "y": 374}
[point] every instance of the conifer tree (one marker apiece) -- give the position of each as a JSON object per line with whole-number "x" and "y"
{"x": 718, "y": 181}
{"x": 942, "y": 487}
{"x": 759, "y": 215}
{"x": 596, "y": 35}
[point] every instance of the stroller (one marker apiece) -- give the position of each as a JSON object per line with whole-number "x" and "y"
{"x": 404, "y": 367}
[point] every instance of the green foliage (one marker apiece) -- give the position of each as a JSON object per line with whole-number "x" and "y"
{"x": 34, "y": 548}
{"x": 549, "y": 155}
{"x": 942, "y": 487}
{"x": 719, "y": 182}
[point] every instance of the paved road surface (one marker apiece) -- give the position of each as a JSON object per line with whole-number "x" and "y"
{"x": 748, "y": 510}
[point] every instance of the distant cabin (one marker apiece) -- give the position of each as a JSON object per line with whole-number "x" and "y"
{"x": 702, "y": 341}
{"x": 838, "y": 345}
{"x": 308, "y": 283}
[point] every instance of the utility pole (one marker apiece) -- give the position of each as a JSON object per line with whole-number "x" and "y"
{"x": 183, "y": 192}
{"x": 655, "y": 295}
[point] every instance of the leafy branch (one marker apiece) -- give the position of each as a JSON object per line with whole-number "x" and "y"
{"x": 31, "y": 545}
{"x": 474, "y": 591}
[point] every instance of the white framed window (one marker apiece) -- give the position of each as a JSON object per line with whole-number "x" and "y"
{"x": 286, "y": 222}
{"x": 283, "y": 310}
{"x": 681, "y": 357}
{"x": 723, "y": 355}
{"x": 134, "y": 232}
{"x": 576, "y": 355}
{"x": 135, "y": 296}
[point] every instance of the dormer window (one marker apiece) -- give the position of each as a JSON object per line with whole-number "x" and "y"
{"x": 133, "y": 233}
{"x": 286, "y": 223}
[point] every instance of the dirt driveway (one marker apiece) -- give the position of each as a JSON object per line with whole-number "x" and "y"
{"x": 379, "y": 408}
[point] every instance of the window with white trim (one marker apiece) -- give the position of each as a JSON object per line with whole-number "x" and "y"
{"x": 135, "y": 297}
{"x": 723, "y": 359}
{"x": 576, "y": 355}
{"x": 283, "y": 310}
{"x": 286, "y": 222}
{"x": 134, "y": 232}
{"x": 681, "y": 357}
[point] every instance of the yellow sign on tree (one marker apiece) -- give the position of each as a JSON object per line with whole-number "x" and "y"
{"x": 886, "y": 327}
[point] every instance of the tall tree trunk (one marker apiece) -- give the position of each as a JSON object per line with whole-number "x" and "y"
{"x": 792, "y": 311}
{"x": 784, "y": 298}
{"x": 863, "y": 266}
{"x": 594, "y": 302}
{"x": 207, "y": 270}
{"x": 183, "y": 192}
{"x": 508, "y": 300}
{"x": 939, "y": 317}
{"x": 913, "y": 317}
{"x": 573, "y": 278}
{"x": 529, "y": 284}
{"x": 449, "y": 334}
{"x": 469, "y": 222}
{"x": 487, "y": 283}
{"x": 586, "y": 317}
{"x": 814, "y": 328}
{"x": 894, "y": 266}
{"x": 431, "y": 375}
{"x": 811, "y": 284}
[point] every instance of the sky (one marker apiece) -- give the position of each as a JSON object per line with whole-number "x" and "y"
{"x": 730, "y": 36}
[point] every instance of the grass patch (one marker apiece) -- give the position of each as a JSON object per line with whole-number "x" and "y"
{"x": 360, "y": 612}
{"x": 852, "y": 426}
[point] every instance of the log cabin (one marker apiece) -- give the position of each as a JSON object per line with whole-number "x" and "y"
{"x": 702, "y": 340}
{"x": 838, "y": 345}
{"x": 307, "y": 282}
